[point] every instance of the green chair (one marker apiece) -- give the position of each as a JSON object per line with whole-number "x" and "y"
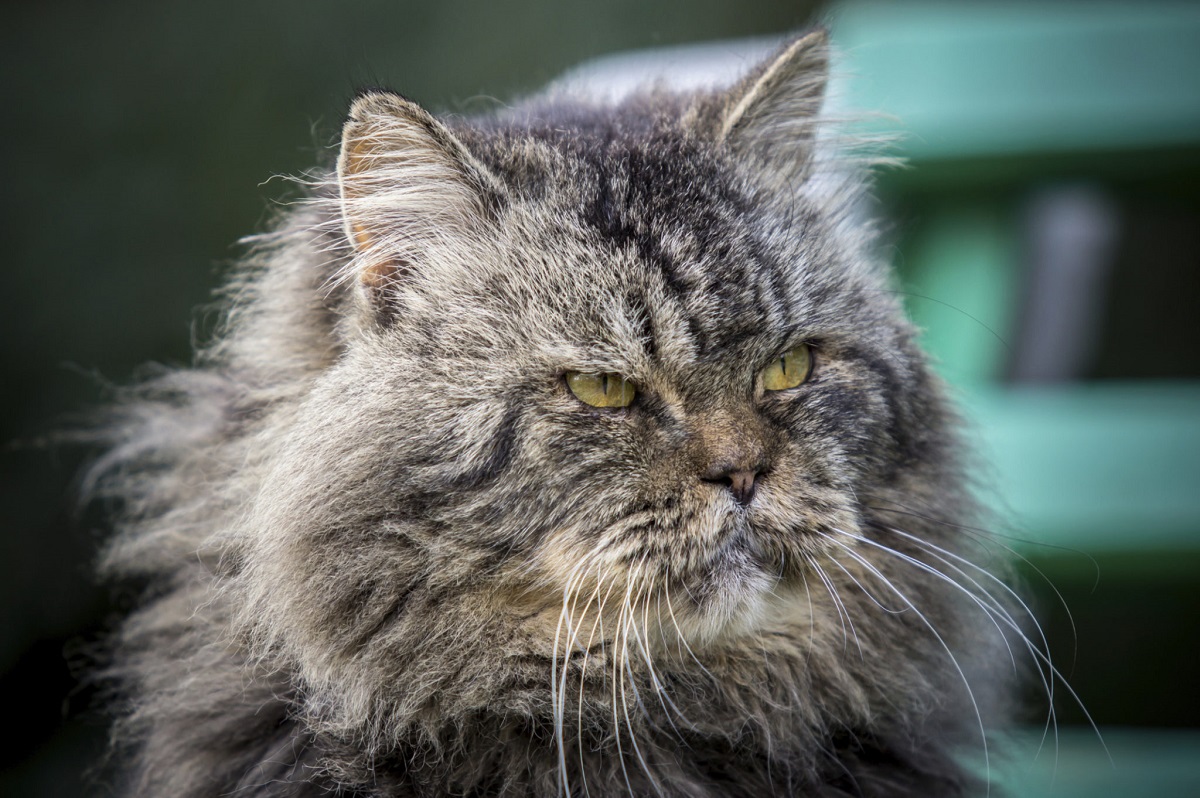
{"x": 1029, "y": 130}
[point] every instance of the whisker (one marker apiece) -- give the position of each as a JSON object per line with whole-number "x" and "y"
{"x": 812, "y": 614}
{"x": 627, "y": 619}
{"x": 660, "y": 691}
{"x": 597, "y": 622}
{"x": 991, "y": 538}
{"x": 1041, "y": 655}
{"x": 867, "y": 592}
{"x": 680, "y": 635}
{"x": 843, "y": 613}
{"x": 558, "y": 697}
{"x": 937, "y": 635}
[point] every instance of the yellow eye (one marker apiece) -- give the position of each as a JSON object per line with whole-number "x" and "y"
{"x": 788, "y": 370}
{"x": 601, "y": 390}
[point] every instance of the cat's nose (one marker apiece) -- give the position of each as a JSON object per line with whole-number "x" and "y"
{"x": 740, "y": 481}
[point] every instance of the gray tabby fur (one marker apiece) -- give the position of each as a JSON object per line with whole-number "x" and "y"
{"x": 389, "y": 554}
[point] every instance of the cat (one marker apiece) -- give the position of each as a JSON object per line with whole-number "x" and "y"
{"x": 575, "y": 449}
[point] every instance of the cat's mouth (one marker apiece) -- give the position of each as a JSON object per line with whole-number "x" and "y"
{"x": 705, "y": 565}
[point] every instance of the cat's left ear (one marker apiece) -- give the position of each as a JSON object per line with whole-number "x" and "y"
{"x": 409, "y": 188}
{"x": 771, "y": 115}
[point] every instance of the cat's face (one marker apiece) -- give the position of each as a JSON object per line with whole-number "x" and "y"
{"x": 643, "y": 272}
{"x": 448, "y": 475}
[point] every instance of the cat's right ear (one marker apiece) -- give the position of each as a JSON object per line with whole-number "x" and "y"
{"x": 771, "y": 115}
{"x": 408, "y": 187}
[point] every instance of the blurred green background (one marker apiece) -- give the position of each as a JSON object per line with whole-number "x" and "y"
{"x": 1047, "y": 236}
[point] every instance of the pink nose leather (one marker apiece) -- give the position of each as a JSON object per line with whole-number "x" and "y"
{"x": 740, "y": 481}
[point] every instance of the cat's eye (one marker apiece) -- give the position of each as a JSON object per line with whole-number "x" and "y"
{"x": 789, "y": 369}
{"x": 601, "y": 390}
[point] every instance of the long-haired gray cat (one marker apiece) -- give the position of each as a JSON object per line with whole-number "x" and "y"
{"x": 578, "y": 449}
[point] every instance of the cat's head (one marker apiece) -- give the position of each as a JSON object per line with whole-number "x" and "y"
{"x": 595, "y": 364}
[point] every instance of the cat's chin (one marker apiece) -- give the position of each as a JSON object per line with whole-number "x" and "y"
{"x": 756, "y": 579}
{"x": 733, "y": 596}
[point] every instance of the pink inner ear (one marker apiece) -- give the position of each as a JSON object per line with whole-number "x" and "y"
{"x": 383, "y": 273}
{"x": 378, "y": 281}
{"x": 362, "y": 239}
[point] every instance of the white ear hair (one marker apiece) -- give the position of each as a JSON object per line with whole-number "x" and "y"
{"x": 406, "y": 183}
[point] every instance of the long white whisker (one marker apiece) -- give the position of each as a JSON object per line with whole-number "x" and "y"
{"x": 843, "y": 613}
{"x": 660, "y": 691}
{"x": 937, "y": 635}
{"x": 665, "y": 695}
{"x": 558, "y": 697}
{"x": 627, "y": 620}
{"x": 989, "y": 538}
{"x": 1041, "y": 655}
{"x": 594, "y": 598}
{"x": 614, "y": 678}
{"x": 597, "y": 622}
{"x": 993, "y": 610}
{"x": 995, "y": 604}
{"x": 681, "y": 637}
{"x": 866, "y": 592}
{"x": 617, "y": 679}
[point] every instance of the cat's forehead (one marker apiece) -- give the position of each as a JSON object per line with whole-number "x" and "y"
{"x": 663, "y": 231}
{"x": 621, "y": 246}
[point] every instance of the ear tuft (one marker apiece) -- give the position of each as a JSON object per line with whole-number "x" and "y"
{"x": 407, "y": 186}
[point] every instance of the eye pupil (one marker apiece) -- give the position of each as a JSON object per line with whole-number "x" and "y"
{"x": 790, "y": 370}
{"x": 601, "y": 390}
